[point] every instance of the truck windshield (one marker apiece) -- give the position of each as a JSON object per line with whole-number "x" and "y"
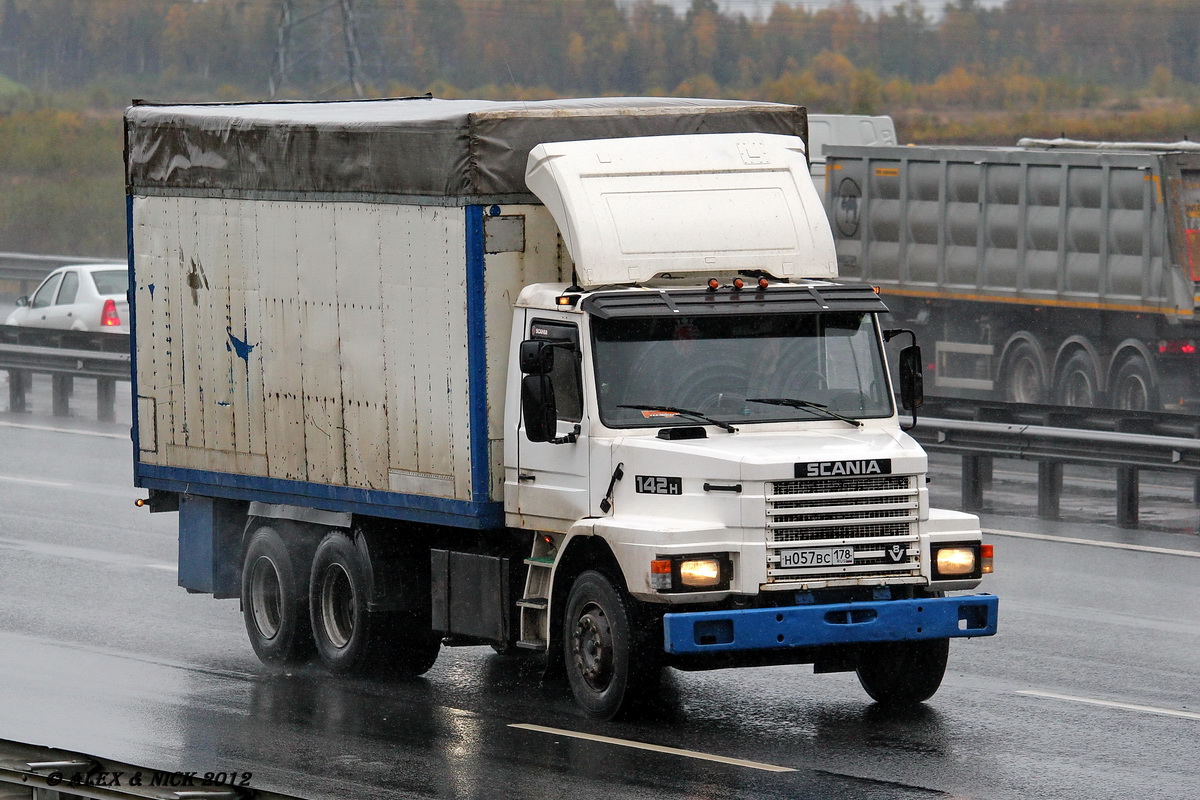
{"x": 724, "y": 366}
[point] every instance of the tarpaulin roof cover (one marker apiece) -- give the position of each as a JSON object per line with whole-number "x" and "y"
{"x": 468, "y": 149}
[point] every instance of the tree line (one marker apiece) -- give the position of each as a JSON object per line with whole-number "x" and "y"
{"x": 1044, "y": 53}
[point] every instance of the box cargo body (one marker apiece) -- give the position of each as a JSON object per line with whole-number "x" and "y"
{"x": 323, "y": 292}
{"x": 1038, "y": 274}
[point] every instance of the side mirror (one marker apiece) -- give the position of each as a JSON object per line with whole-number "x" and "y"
{"x": 537, "y": 357}
{"x": 22, "y": 301}
{"x": 537, "y": 403}
{"x": 912, "y": 382}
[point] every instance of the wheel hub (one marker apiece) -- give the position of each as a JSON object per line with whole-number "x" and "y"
{"x": 337, "y": 606}
{"x": 591, "y": 648}
{"x": 266, "y": 597}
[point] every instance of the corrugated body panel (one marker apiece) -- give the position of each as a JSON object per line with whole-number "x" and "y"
{"x": 363, "y": 366}
{"x": 424, "y": 327}
{"x": 1063, "y": 226}
{"x": 279, "y": 290}
{"x": 320, "y": 359}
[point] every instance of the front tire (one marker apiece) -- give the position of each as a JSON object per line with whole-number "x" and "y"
{"x": 901, "y": 674}
{"x": 275, "y": 600}
{"x": 611, "y": 666}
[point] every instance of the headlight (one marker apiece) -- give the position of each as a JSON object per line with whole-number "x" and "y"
{"x": 700, "y": 573}
{"x": 697, "y": 573}
{"x": 956, "y": 561}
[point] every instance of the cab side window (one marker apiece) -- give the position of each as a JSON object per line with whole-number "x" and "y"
{"x": 566, "y": 375}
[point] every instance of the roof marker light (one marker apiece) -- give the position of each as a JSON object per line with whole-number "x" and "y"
{"x": 763, "y": 283}
{"x": 738, "y": 283}
{"x": 713, "y": 284}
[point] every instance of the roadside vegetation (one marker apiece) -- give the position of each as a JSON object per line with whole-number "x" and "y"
{"x": 1091, "y": 69}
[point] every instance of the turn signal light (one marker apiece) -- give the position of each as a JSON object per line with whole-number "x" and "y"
{"x": 660, "y": 573}
{"x": 985, "y": 554}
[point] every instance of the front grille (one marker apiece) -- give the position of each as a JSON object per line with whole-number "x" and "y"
{"x": 874, "y": 516}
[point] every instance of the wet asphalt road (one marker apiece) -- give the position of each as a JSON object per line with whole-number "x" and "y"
{"x": 1091, "y": 689}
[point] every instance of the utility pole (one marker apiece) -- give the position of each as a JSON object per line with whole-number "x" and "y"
{"x": 313, "y": 29}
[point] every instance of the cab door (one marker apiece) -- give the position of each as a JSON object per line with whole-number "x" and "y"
{"x": 553, "y": 478}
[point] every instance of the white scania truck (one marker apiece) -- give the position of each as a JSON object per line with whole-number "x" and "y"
{"x": 575, "y": 377}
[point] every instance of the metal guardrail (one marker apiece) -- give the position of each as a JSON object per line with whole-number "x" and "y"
{"x": 30, "y": 772}
{"x": 1127, "y": 441}
{"x": 64, "y": 355}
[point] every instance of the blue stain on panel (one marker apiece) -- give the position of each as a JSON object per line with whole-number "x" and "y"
{"x": 481, "y": 462}
{"x": 241, "y": 348}
{"x": 151, "y": 288}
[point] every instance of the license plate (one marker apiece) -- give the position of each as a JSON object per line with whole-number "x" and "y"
{"x": 816, "y": 557}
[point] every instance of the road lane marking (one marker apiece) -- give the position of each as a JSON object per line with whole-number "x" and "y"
{"x": 121, "y": 436}
{"x": 34, "y": 481}
{"x": 674, "y": 751}
{"x": 1170, "y": 712}
{"x": 1141, "y": 548}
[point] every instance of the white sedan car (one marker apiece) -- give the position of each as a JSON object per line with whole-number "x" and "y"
{"x": 78, "y": 297}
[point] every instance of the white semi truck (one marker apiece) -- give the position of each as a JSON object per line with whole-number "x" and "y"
{"x": 572, "y": 377}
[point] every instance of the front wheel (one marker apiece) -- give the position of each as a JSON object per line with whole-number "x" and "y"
{"x": 903, "y": 673}
{"x": 611, "y": 666}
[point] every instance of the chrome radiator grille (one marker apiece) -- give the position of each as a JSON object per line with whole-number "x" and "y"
{"x": 875, "y": 517}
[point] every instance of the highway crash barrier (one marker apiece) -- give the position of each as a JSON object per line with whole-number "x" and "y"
{"x": 64, "y": 355}
{"x": 1126, "y": 441}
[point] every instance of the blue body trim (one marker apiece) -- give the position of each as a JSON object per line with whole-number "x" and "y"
{"x": 132, "y": 298}
{"x": 373, "y": 502}
{"x": 481, "y": 461}
{"x": 835, "y": 623}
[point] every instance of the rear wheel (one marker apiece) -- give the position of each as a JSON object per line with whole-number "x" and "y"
{"x": 349, "y": 636}
{"x": 903, "y": 673}
{"x": 275, "y": 600}
{"x": 1023, "y": 376}
{"x": 1132, "y": 386}
{"x": 1078, "y": 383}
{"x": 611, "y": 668}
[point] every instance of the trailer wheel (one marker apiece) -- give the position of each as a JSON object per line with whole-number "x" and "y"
{"x": 275, "y": 600}
{"x": 350, "y": 638}
{"x": 1132, "y": 386}
{"x": 610, "y": 668}
{"x": 903, "y": 673}
{"x": 1078, "y": 384}
{"x": 1023, "y": 375}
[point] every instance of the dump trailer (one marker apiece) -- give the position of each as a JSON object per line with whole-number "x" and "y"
{"x": 575, "y": 378}
{"x": 1057, "y": 271}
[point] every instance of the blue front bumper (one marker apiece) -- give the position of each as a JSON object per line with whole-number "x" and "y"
{"x": 836, "y": 623}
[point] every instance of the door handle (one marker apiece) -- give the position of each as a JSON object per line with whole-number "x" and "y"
{"x": 524, "y": 477}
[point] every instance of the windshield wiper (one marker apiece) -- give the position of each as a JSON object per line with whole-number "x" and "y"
{"x": 804, "y": 404}
{"x": 684, "y": 411}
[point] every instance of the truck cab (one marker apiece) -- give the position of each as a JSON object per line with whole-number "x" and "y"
{"x": 718, "y": 431}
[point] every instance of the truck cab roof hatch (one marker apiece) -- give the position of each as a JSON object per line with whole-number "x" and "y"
{"x": 630, "y": 209}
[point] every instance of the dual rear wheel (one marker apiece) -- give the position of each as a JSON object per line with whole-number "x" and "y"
{"x": 297, "y": 602}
